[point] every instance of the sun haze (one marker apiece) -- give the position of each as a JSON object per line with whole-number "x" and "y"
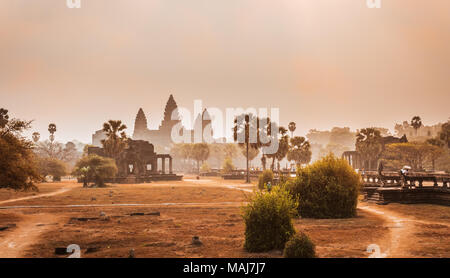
{"x": 323, "y": 63}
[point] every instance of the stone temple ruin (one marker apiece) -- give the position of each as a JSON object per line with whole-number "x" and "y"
{"x": 161, "y": 137}
{"x": 356, "y": 160}
{"x": 383, "y": 187}
{"x": 138, "y": 163}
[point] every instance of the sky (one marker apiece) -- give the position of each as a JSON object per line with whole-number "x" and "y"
{"x": 323, "y": 63}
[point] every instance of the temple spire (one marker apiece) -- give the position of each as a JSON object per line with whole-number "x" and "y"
{"x": 140, "y": 124}
{"x": 171, "y": 105}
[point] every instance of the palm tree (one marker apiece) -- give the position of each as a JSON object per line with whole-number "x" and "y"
{"x": 292, "y": 127}
{"x": 368, "y": 144}
{"x": 299, "y": 150}
{"x": 416, "y": 123}
{"x": 245, "y": 126}
{"x": 52, "y": 130}
{"x": 36, "y": 136}
{"x": 115, "y": 141}
{"x": 283, "y": 146}
{"x": 4, "y": 118}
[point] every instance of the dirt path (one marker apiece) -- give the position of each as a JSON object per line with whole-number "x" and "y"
{"x": 208, "y": 204}
{"x": 402, "y": 229}
{"x": 15, "y": 242}
{"x": 62, "y": 190}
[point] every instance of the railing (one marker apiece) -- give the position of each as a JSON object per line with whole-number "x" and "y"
{"x": 395, "y": 179}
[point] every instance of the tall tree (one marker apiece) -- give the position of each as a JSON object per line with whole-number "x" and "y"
{"x": 116, "y": 138}
{"x": 4, "y": 117}
{"x": 183, "y": 152}
{"x": 263, "y": 161}
{"x": 444, "y": 134}
{"x": 413, "y": 154}
{"x": 292, "y": 127}
{"x": 252, "y": 152}
{"x": 36, "y": 136}
{"x": 299, "y": 150}
{"x": 416, "y": 123}
{"x": 283, "y": 146}
{"x": 52, "y": 130}
{"x": 369, "y": 145}
{"x": 247, "y": 132}
{"x": 216, "y": 152}
{"x": 229, "y": 150}
{"x": 18, "y": 168}
{"x": 200, "y": 152}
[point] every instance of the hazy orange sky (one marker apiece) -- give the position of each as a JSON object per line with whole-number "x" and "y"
{"x": 324, "y": 63}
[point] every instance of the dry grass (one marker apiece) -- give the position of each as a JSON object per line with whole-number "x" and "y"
{"x": 203, "y": 213}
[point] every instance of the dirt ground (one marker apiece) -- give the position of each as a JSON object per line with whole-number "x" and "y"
{"x": 159, "y": 220}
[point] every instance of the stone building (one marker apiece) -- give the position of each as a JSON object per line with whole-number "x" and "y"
{"x": 161, "y": 137}
{"x": 139, "y": 163}
{"x": 356, "y": 160}
{"x": 423, "y": 133}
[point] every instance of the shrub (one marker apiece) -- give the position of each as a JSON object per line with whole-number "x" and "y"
{"x": 299, "y": 246}
{"x": 326, "y": 189}
{"x": 265, "y": 177}
{"x": 52, "y": 166}
{"x": 205, "y": 168}
{"x": 227, "y": 166}
{"x": 268, "y": 220}
{"x": 18, "y": 167}
{"x": 94, "y": 168}
{"x": 284, "y": 178}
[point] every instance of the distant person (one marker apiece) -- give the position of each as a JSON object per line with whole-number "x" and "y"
{"x": 380, "y": 168}
{"x": 269, "y": 186}
{"x": 404, "y": 173}
{"x": 380, "y": 172}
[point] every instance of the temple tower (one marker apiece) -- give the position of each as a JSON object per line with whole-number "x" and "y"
{"x": 202, "y": 125}
{"x": 140, "y": 125}
{"x": 168, "y": 122}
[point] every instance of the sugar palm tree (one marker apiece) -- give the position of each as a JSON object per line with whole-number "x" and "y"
{"x": 416, "y": 123}
{"x": 36, "y": 136}
{"x": 115, "y": 141}
{"x": 52, "y": 130}
{"x": 4, "y": 118}
{"x": 299, "y": 151}
{"x": 292, "y": 127}
{"x": 247, "y": 131}
{"x": 368, "y": 144}
{"x": 283, "y": 144}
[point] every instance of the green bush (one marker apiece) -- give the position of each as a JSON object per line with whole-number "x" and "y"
{"x": 326, "y": 189}
{"x": 52, "y": 166}
{"x": 227, "y": 166}
{"x": 299, "y": 246}
{"x": 265, "y": 177}
{"x": 268, "y": 220}
{"x": 94, "y": 168}
{"x": 205, "y": 168}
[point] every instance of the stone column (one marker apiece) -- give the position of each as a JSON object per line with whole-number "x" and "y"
{"x": 170, "y": 165}
{"x": 163, "y": 164}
